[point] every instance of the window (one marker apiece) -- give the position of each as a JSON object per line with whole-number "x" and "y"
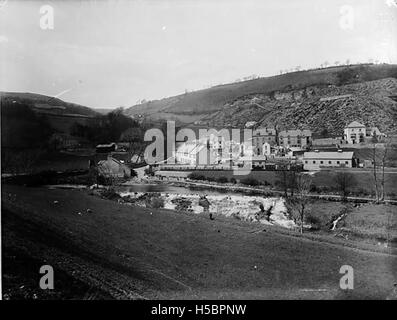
{"x": 314, "y": 161}
{"x": 329, "y": 162}
{"x": 306, "y": 161}
{"x": 337, "y": 162}
{"x": 346, "y": 162}
{"x": 321, "y": 162}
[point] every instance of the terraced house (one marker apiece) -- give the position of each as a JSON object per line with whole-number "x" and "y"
{"x": 262, "y": 136}
{"x": 295, "y": 138}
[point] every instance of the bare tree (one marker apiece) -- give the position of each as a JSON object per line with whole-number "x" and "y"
{"x": 286, "y": 178}
{"x": 384, "y": 159}
{"x": 344, "y": 180}
{"x": 374, "y": 172}
{"x": 297, "y": 205}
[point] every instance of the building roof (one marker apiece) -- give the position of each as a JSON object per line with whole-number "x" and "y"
{"x": 264, "y": 132}
{"x": 191, "y": 147}
{"x": 298, "y": 132}
{"x": 329, "y": 155}
{"x": 355, "y": 124}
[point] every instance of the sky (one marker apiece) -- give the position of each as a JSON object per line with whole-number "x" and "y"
{"x": 106, "y": 54}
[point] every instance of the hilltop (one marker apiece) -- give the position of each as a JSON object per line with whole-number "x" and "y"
{"x": 46, "y": 104}
{"x": 293, "y": 99}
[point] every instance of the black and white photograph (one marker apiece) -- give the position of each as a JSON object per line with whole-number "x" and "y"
{"x": 217, "y": 151}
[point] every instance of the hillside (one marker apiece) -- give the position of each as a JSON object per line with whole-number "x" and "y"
{"x": 158, "y": 253}
{"x": 29, "y": 119}
{"x": 46, "y": 104}
{"x": 322, "y": 109}
{"x": 214, "y": 106}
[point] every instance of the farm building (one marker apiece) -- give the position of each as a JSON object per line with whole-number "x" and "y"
{"x": 113, "y": 168}
{"x": 334, "y": 159}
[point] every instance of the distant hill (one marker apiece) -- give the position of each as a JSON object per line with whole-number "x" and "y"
{"x": 47, "y": 104}
{"x": 288, "y": 100}
{"x": 28, "y": 119}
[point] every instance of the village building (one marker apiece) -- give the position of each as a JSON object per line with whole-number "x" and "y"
{"x": 113, "y": 168}
{"x": 318, "y": 160}
{"x": 261, "y": 136}
{"x": 356, "y": 133}
{"x": 195, "y": 153}
{"x": 295, "y": 138}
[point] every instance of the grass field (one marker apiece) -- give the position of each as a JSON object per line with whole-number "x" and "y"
{"x": 322, "y": 179}
{"x": 121, "y": 251}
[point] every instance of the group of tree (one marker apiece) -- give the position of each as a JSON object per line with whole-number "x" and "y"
{"x": 106, "y": 128}
{"x": 380, "y": 160}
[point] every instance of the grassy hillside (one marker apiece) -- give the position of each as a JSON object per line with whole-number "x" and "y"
{"x": 46, "y": 104}
{"x": 161, "y": 254}
{"x": 204, "y": 104}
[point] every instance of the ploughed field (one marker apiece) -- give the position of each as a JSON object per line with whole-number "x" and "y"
{"x": 101, "y": 249}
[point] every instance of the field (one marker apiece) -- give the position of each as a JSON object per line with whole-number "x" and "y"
{"x": 324, "y": 179}
{"x": 120, "y": 251}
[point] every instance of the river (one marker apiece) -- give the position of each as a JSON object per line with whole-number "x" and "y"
{"x": 227, "y": 203}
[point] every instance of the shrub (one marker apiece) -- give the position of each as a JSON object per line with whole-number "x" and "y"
{"x": 313, "y": 188}
{"x": 222, "y": 180}
{"x": 133, "y": 173}
{"x": 233, "y": 180}
{"x": 266, "y": 183}
{"x": 250, "y": 181}
{"x": 196, "y": 176}
{"x": 154, "y": 201}
{"x": 313, "y": 221}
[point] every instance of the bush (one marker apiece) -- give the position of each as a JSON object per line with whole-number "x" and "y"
{"x": 133, "y": 173}
{"x": 196, "y": 176}
{"x": 154, "y": 201}
{"x": 250, "y": 182}
{"x": 149, "y": 171}
{"x": 233, "y": 180}
{"x": 222, "y": 180}
{"x": 313, "y": 221}
{"x": 313, "y": 188}
{"x": 266, "y": 183}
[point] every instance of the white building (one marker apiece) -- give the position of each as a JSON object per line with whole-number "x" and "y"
{"x": 355, "y": 133}
{"x": 334, "y": 159}
{"x": 195, "y": 153}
